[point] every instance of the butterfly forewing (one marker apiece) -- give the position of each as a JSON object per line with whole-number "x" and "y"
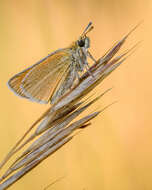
{"x": 15, "y": 82}
{"x": 39, "y": 81}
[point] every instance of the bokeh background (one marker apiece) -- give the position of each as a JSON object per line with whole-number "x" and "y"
{"x": 115, "y": 152}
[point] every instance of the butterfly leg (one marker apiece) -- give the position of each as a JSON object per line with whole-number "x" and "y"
{"x": 88, "y": 69}
{"x": 77, "y": 74}
{"x": 86, "y": 65}
{"x": 84, "y": 61}
{"x": 91, "y": 57}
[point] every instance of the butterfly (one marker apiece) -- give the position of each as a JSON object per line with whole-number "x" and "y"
{"x": 51, "y": 77}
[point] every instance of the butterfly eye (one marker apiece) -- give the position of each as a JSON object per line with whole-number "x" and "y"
{"x": 81, "y": 43}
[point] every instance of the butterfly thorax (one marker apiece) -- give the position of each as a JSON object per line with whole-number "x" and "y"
{"x": 79, "y": 53}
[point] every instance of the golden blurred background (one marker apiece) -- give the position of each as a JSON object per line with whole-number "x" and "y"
{"x": 115, "y": 152}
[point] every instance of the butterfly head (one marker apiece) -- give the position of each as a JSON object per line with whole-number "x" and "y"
{"x": 84, "y": 40}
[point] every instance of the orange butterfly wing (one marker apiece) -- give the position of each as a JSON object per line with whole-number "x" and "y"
{"x": 39, "y": 81}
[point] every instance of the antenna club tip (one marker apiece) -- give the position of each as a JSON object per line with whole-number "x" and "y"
{"x": 87, "y": 29}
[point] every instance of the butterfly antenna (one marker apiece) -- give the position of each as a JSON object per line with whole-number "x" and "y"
{"x": 87, "y": 29}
